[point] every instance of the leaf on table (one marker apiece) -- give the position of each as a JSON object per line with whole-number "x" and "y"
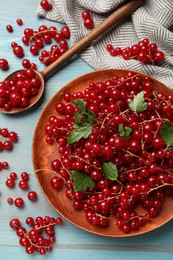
{"x": 81, "y": 180}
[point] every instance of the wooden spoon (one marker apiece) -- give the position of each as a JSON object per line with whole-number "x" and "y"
{"x": 113, "y": 19}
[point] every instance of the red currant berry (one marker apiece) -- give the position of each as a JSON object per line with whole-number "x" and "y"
{"x": 89, "y": 23}
{"x": 32, "y": 195}
{"x": 4, "y": 64}
{"x": 19, "y": 21}
{"x": 9, "y": 28}
{"x": 19, "y": 202}
{"x": 15, "y": 223}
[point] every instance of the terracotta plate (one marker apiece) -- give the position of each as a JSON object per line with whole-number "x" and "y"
{"x": 43, "y": 154}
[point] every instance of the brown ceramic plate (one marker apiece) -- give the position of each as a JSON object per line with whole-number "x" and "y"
{"x": 43, "y": 154}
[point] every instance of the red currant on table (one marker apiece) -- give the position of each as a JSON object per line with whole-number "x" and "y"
{"x": 19, "y": 21}
{"x": 4, "y": 165}
{"x": 25, "y": 176}
{"x": 10, "y": 183}
{"x": 9, "y": 28}
{"x": 15, "y": 223}
{"x": 13, "y": 175}
{"x": 10, "y": 201}
{"x": 4, "y": 64}
{"x": 19, "y": 202}
{"x": 32, "y": 195}
{"x": 26, "y": 63}
{"x": 23, "y": 185}
{"x": 18, "y": 51}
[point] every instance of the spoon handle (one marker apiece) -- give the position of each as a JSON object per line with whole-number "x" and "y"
{"x": 114, "y": 18}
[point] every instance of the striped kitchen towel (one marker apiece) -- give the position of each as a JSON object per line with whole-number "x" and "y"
{"x": 154, "y": 20}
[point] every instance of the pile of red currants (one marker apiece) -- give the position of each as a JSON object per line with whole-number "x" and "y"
{"x": 18, "y": 91}
{"x": 143, "y": 51}
{"x": 41, "y": 237}
{"x": 115, "y": 150}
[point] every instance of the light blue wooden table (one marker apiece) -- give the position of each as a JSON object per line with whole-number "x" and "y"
{"x": 72, "y": 242}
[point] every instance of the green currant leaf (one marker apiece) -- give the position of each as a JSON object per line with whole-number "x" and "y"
{"x": 91, "y": 116}
{"x": 80, "y": 104}
{"x": 77, "y": 118}
{"x": 166, "y": 133}
{"x": 124, "y": 131}
{"x": 110, "y": 171}
{"x": 138, "y": 104}
{"x": 80, "y": 131}
{"x": 81, "y": 180}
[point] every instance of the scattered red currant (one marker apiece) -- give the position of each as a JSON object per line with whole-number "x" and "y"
{"x": 32, "y": 195}
{"x": 4, "y": 64}
{"x": 18, "y": 51}
{"x": 9, "y": 28}
{"x": 19, "y": 21}
{"x": 7, "y": 138}
{"x": 4, "y": 165}
{"x": 19, "y": 202}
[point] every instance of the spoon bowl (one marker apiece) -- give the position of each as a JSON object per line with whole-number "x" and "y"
{"x": 117, "y": 16}
{"x": 33, "y": 100}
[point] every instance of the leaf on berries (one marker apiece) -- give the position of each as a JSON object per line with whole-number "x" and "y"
{"x": 81, "y": 180}
{"x": 124, "y": 131}
{"x": 82, "y": 130}
{"x": 89, "y": 117}
{"x": 80, "y": 104}
{"x": 110, "y": 171}
{"x": 77, "y": 118}
{"x": 138, "y": 104}
{"x": 166, "y": 133}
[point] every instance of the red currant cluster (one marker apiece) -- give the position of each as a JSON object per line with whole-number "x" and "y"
{"x": 45, "y": 35}
{"x": 125, "y": 157}
{"x": 18, "y": 91}
{"x": 23, "y": 185}
{"x": 4, "y": 64}
{"x": 46, "y": 5}
{"x": 144, "y": 51}
{"x": 88, "y": 21}
{"x": 34, "y": 240}
{"x": 4, "y": 165}
{"x": 7, "y": 139}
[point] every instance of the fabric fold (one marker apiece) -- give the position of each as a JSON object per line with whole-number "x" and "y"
{"x": 154, "y": 20}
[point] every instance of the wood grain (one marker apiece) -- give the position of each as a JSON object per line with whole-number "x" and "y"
{"x": 43, "y": 154}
